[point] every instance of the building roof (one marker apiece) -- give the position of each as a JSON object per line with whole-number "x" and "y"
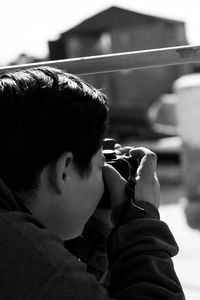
{"x": 115, "y": 17}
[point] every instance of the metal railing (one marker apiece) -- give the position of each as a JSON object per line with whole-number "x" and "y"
{"x": 120, "y": 61}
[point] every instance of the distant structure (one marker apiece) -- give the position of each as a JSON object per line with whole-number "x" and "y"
{"x": 130, "y": 92}
{"x": 24, "y": 58}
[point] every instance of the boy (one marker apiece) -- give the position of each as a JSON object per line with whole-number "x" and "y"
{"x": 52, "y": 170}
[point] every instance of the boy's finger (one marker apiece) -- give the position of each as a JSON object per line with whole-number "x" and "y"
{"x": 148, "y": 161}
{"x": 124, "y": 150}
{"x": 117, "y": 146}
{"x": 139, "y": 152}
{"x": 147, "y": 167}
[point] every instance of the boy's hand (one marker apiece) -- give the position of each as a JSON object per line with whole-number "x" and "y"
{"x": 147, "y": 187}
{"x": 116, "y": 185}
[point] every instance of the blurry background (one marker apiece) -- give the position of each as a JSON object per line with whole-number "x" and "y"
{"x": 143, "y": 102}
{"x": 26, "y": 26}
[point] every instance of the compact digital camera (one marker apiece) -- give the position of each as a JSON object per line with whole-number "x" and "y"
{"x": 125, "y": 164}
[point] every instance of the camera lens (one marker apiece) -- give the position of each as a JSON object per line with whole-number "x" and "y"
{"x": 109, "y": 143}
{"x": 109, "y": 154}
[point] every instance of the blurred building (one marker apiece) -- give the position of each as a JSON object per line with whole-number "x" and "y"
{"x": 24, "y": 58}
{"x": 131, "y": 93}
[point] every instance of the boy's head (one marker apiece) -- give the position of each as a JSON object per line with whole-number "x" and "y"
{"x": 51, "y": 126}
{"x": 43, "y": 113}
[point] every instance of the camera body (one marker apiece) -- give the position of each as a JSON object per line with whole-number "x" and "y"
{"x": 125, "y": 164}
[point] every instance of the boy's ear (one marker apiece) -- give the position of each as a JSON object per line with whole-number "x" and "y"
{"x": 60, "y": 172}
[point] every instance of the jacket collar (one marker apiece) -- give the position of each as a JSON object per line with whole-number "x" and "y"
{"x": 8, "y": 201}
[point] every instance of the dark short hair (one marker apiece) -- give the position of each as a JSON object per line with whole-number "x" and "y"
{"x": 45, "y": 112}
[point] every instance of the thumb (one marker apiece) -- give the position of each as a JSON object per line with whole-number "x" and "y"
{"x": 147, "y": 167}
{"x": 147, "y": 162}
{"x": 147, "y": 187}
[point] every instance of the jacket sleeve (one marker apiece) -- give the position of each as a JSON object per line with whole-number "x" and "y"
{"x": 139, "y": 253}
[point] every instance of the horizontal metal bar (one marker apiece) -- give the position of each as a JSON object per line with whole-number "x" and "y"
{"x": 121, "y": 61}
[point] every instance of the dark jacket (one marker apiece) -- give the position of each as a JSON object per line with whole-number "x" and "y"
{"x": 35, "y": 264}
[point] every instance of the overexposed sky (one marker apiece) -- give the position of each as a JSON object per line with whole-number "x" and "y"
{"x": 27, "y": 25}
